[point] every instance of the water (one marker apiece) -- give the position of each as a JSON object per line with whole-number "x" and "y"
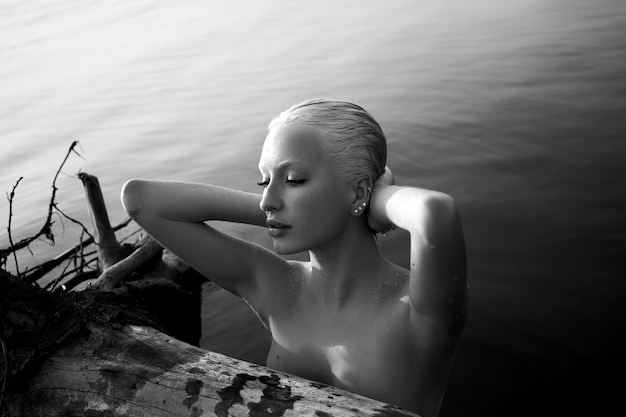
{"x": 516, "y": 108}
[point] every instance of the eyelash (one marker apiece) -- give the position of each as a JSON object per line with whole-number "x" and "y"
{"x": 288, "y": 181}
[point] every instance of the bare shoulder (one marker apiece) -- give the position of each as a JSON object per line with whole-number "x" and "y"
{"x": 279, "y": 286}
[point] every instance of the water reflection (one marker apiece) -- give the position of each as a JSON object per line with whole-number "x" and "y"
{"x": 515, "y": 108}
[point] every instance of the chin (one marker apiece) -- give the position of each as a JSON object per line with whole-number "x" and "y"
{"x": 284, "y": 248}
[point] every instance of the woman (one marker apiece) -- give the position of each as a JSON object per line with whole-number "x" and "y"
{"x": 348, "y": 317}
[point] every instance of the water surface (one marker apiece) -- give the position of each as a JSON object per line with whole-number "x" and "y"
{"x": 516, "y": 108}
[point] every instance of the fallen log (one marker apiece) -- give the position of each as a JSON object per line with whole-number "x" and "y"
{"x": 137, "y": 371}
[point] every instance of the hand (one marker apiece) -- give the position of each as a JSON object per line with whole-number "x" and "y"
{"x": 376, "y": 219}
{"x": 385, "y": 179}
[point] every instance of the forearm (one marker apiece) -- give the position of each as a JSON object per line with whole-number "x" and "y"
{"x": 413, "y": 209}
{"x": 190, "y": 202}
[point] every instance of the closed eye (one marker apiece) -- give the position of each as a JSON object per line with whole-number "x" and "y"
{"x": 265, "y": 183}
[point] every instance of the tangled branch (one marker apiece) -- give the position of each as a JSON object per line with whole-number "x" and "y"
{"x": 35, "y": 273}
{"x": 46, "y": 229}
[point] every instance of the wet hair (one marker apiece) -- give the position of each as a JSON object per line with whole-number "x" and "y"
{"x": 351, "y": 137}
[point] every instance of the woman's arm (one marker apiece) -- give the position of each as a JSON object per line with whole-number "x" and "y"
{"x": 174, "y": 214}
{"x": 438, "y": 285}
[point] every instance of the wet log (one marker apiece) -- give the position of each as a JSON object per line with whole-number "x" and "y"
{"x": 137, "y": 371}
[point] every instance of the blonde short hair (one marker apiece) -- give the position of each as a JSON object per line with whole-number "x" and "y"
{"x": 351, "y": 137}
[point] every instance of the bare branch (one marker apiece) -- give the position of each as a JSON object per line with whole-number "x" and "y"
{"x": 85, "y": 230}
{"x": 10, "y": 198}
{"x": 39, "y": 271}
{"x": 77, "y": 270}
{"x": 46, "y": 229}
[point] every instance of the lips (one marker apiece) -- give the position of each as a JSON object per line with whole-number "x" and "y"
{"x": 276, "y": 228}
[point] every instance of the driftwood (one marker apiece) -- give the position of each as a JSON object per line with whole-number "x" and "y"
{"x": 109, "y": 250}
{"x": 112, "y": 276}
{"x": 115, "y": 350}
{"x": 137, "y": 371}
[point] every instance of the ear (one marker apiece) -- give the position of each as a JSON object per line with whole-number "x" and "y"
{"x": 362, "y": 189}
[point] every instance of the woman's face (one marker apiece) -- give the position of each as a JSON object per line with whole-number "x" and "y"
{"x": 306, "y": 202}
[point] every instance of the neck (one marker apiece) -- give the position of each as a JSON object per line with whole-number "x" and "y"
{"x": 348, "y": 265}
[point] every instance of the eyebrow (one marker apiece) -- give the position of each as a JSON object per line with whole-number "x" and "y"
{"x": 286, "y": 164}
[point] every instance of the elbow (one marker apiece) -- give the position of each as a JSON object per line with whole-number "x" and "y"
{"x": 440, "y": 207}
{"x": 131, "y": 196}
{"x": 442, "y": 224}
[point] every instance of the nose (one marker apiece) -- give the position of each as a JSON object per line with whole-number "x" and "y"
{"x": 271, "y": 200}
